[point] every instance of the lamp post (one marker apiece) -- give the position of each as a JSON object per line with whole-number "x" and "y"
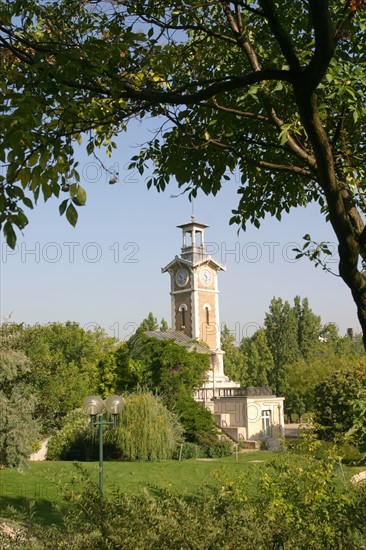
{"x": 94, "y": 406}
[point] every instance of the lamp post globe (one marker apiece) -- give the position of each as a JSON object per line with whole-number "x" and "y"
{"x": 114, "y": 404}
{"x": 93, "y": 405}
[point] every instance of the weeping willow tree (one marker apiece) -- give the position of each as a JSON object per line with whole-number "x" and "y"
{"x": 148, "y": 430}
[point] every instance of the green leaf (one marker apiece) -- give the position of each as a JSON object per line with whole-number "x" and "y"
{"x": 72, "y": 215}
{"x": 28, "y": 202}
{"x": 90, "y": 147}
{"x": 24, "y": 177}
{"x": 47, "y": 191}
{"x": 10, "y": 235}
{"x": 21, "y": 220}
{"x": 3, "y": 202}
{"x": 63, "y": 206}
{"x": 33, "y": 159}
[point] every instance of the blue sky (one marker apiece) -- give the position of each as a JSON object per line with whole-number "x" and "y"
{"x": 107, "y": 270}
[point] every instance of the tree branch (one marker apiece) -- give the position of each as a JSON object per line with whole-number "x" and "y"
{"x": 280, "y": 34}
{"x": 236, "y": 112}
{"x": 298, "y": 150}
{"x": 225, "y": 85}
{"x": 263, "y": 163}
{"x": 197, "y": 27}
{"x": 324, "y": 45}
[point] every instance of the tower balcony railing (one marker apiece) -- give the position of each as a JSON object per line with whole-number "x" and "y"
{"x": 195, "y": 253}
{"x": 207, "y": 394}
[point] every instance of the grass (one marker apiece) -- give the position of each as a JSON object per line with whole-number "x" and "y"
{"x": 37, "y": 493}
{"x": 38, "y": 489}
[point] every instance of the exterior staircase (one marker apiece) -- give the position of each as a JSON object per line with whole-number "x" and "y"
{"x": 237, "y": 433}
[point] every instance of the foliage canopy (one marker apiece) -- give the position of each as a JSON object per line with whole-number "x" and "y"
{"x": 340, "y": 405}
{"x": 273, "y": 91}
{"x": 19, "y": 431}
{"x": 63, "y": 360}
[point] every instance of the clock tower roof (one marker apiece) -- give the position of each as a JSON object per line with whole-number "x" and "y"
{"x": 193, "y": 223}
{"x": 208, "y": 260}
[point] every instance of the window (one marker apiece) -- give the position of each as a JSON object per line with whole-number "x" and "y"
{"x": 266, "y": 423}
{"x": 198, "y": 238}
{"x": 207, "y": 309}
{"x": 187, "y": 238}
{"x": 183, "y": 309}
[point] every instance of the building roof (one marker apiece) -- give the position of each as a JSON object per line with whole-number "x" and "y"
{"x": 193, "y": 222}
{"x": 180, "y": 339}
{"x": 206, "y": 260}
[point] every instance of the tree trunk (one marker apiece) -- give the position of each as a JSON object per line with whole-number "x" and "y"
{"x": 357, "y": 284}
{"x": 343, "y": 213}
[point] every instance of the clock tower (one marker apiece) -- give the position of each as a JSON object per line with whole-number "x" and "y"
{"x": 195, "y": 298}
{"x": 194, "y": 288}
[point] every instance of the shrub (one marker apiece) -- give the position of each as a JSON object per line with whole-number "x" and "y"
{"x": 188, "y": 450}
{"x": 148, "y": 430}
{"x": 346, "y": 451}
{"x": 219, "y": 449}
{"x": 73, "y": 441}
{"x": 198, "y": 423}
{"x": 335, "y": 400}
{"x": 18, "y": 429}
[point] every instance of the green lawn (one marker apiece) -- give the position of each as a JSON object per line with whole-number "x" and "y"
{"x": 42, "y": 482}
{"x": 37, "y": 493}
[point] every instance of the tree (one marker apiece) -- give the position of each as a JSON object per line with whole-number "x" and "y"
{"x": 107, "y": 374}
{"x": 167, "y": 367}
{"x": 281, "y": 327}
{"x": 171, "y": 371}
{"x": 234, "y": 360}
{"x": 19, "y": 430}
{"x": 273, "y": 91}
{"x": 352, "y": 347}
{"x": 309, "y": 327}
{"x": 64, "y": 365}
{"x": 260, "y": 363}
{"x": 150, "y": 323}
{"x": 304, "y": 376}
{"x": 198, "y": 423}
{"x": 164, "y": 327}
{"x": 147, "y": 430}
{"x": 131, "y": 371}
{"x": 335, "y": 400}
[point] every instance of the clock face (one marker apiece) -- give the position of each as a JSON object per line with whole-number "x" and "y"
{"x": 206, "y": 276}
{"x": 181, "y": 277}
